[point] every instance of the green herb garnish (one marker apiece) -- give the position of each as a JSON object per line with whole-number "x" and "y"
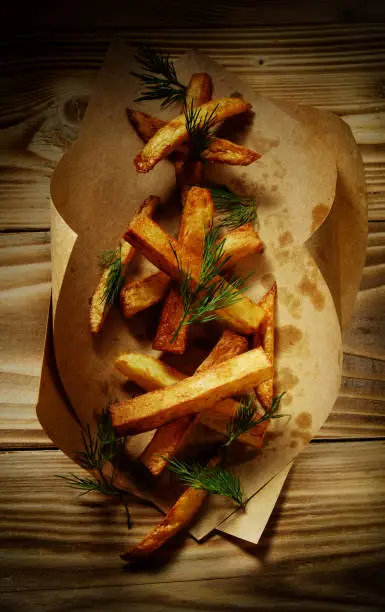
{"x": 159, "y": 77}
{"x": 235, "y": 210}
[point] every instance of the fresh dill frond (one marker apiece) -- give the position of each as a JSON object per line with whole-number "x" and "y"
{"x": 199, "y": 129}
{"x": 214, "y": 480}
{"x": 246, "y": 417}
{"x": 160, "y": 79}
{"x": 89, "y": 485}
{"x": 97, "y": 451}
{"x": 211, "y": 292}
{"x": 234, "y": 210}
{"x": 112, "y": 261}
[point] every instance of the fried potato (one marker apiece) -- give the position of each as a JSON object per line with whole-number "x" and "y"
{"x": 174, "y": 133}
{"x": 172, "y": 313}
{"x": 265, "y": 338}
{"x": 192, "y": 395}
{"x": 219, "y": 150}
{"x": 226, "y": 152}
{"x": 178, "y": 517}
{"x": 198, "y": 211}
{"x": 242, "y": 242}
{"x": 99, "y": 309}
{"x": 141, "y": 294}
{"x": 147, "y": 372}
{"x": 168, "y": 439}
{"x": 154, "y": 243}
{"x": 199, "y": 89}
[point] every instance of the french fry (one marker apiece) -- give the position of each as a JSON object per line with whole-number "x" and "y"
{"x": 157, "y": 246}
{"x": 265, "y": 338}
{"x": 168, "y": 439}
{"x": 192, "y": 395}
{"x": 219, "y": 150}
{"x": 226, "y": 152}
{"x": 99, "y": 308}
{"x": 241, "y": 242}
{"x": 169, "y": 319}
{"x": 174, "y": 133}
{"x": 198, "y": 211}
{"x": 177, "y": 518}
{"x": 199, "y": 89}
{"x": 141, "y": 294}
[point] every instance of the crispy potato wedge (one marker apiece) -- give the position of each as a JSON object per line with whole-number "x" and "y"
{"x": 99, "y": 309}
{"x": 242, "y": 242}
{"x": 177, "y": 518}
{"x": 141, "y": 294}
{"x": 147, "y": 372}
{"x": 198, "y": 211}
{"x": 174, "y": 133}
{"x": 154, "y": 243}
{"x": 224, "y": 151}
{"x": 168, "y": 439}
{"x": 265, "y": 338}
{"x": 199, "y": 90}
{"x": 192, "y": 395}
{"x": 220, "y": 150}
{"x": 172, "y": 313}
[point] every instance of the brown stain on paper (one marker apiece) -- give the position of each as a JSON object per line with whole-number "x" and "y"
{"x": 319, "y": 213}
{"x": 287, "y": 336}
{"x": 305, "y": 436}
{"x": 308, "y": 288}
{"x": 292, "y": 302}
{"x": 304, "y": 420}
{"x": 285, "y": 238}
{"x": 267, "y": 280}
{"x": 286, "y": 379}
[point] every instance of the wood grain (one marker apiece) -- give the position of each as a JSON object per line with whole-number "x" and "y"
{"x": 316, "y": 539}
{"x": 339, "y": 68}
{"x": 25, "y": 287}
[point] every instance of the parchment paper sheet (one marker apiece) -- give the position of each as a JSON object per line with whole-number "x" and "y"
{"x": 95, "y": 190}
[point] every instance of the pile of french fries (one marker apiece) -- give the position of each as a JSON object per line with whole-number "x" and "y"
{"x": 172, "y": 404}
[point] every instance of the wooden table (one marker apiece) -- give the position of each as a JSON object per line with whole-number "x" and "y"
{"x": 324, "y": 546}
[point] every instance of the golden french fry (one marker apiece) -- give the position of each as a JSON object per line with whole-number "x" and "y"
{"x": 199, "y": 89}
{"x": 265, "y": 338}
{"x": 226, "y": 152}
{"x": 219, "y": 150}
{"x": 99, "y": 307}
{"x": 178, "y": 517}
{"x": 157, "y": 246}
{"x": 198, "y": 211}
{"x": 192, "y": 395}
{"x": 174, "y": 133}
{"x": 241, "y": 242}
{"x": 168, "y": 439}
{"x": 141, "y": 294}
{"x": 172, "y": 313}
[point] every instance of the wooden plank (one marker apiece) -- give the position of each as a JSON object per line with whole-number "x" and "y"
{"x": 25, "y": 288}
{"x": 243, "y": 13}
{"x": 339, "y": 68}
{"x": 327, "y": 531}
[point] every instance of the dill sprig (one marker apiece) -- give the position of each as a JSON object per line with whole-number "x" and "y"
{"x": 246, "y": 417}
{"x": 112, "y": 261}
{"x": 235, "y": 210}
{"x": 199, "y": 129}
{"x": 159, "y": 77}
{"x": 211, "y": 292}
{"x": 214, "y": 480}
{"x": 97, "y": 451}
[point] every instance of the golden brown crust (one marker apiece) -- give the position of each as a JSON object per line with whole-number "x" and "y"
{"x": 240, "y": 243}
{"x": 172, "y": 313}
{"x": 157, "y": 246}
{"x": 226, "y": 152}
{"x": 99, "y": 310}
{"x": 265, "y": 338}
{"x": 143, "y": 293}
{"x": 192, "y": 395}
{"x": 199, "y": 90}
{"x": 174, "y": 133}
